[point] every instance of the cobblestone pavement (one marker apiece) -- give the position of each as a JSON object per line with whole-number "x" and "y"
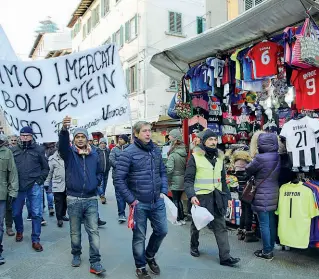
{"x": 173, "y": 257}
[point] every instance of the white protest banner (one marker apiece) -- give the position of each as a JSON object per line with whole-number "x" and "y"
{"x": 88, "y": 86}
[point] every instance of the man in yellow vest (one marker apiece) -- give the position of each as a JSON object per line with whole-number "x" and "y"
{"x": 205, "y": 184}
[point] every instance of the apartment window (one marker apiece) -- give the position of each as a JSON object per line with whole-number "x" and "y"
{"x": 89, "y": 25}
{"x": 201, "y": 24}
{"x": 252, "y": 3}
{"x": 105, "y": 7}
{"x": 118, "y": 37}
{"x": 175, "y": 22}
{"x": 96, "y": 16}
{"x": 173, "y": 85}
{"x": 131, "y": 79}
{"x": 76, "y": 29}
{"x": 84, "y": 31}
{"x": 131, "y": 29}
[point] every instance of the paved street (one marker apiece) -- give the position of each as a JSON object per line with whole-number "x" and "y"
{"x": 173, "y": 258}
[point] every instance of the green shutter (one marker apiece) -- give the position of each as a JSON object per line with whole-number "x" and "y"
{"x": 113, "y": 38}
{"x": 136, "y": 24}
{"x": 178, "y": 18}
{"x": 199, "y": 25}
{"x": 102, "y": 8}
{"x": 121, "y": 36}
{"x": 127, "y": 31}
{"x": 171, "y": 22}
{"x": 127, "y": 75}
{"x": 135, "y": 78}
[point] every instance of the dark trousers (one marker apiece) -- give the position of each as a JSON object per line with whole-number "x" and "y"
{"x": 9, "y": 218}
{"x": 218, "y": 226}
{"x": 60, "y": 205}
{"x": 246, "y": 218}
{"x": 177, "y": 200}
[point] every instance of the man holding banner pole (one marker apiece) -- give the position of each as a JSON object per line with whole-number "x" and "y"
{"x": 83, "y": 176}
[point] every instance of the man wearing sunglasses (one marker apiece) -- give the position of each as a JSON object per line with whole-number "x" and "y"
{"x": 32, "y": 169}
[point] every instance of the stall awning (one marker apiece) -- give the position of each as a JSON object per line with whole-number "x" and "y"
{"x": 268, "y": 17}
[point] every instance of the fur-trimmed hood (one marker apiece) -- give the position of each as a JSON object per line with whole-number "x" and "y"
{"x": 254, "y": 143}
{"x": 241, "y": 155}
{"x": 199, "y": 150}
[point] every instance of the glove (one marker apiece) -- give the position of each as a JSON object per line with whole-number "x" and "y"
{"x": 9, "y": 202}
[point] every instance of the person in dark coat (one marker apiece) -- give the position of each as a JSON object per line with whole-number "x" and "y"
{"x": 265, "y": 167}
{"x": 104, "y": 154}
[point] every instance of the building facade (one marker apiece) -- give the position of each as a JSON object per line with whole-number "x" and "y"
{"x": 139, "y": 29}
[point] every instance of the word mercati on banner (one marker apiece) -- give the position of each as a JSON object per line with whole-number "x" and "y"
{"x": 88, "y": 86}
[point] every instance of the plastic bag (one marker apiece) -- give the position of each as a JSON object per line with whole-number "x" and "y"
{"x": 201, "y": 216}
{"x": 131, "y": 221}
{"x": 171, "y": 210}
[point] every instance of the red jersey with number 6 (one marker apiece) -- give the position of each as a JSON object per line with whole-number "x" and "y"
{"x": 264, "y": 57}
{"x": 306, "y": 83}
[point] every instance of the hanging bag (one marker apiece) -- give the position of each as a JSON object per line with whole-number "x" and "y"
{"x": 171, "y": 210}
{"x": 201, "y": 216}
{"x": 310, "y": 45}
{"x": 296, "y": 59}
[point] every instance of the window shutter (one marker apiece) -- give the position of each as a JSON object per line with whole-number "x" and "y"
{"x": 257, "y": 2}
{"x": 127, "y": 75}
{"x": 113, "y": 38}
{"x": 127, "y": 31}
{"x": 135, "y": 77}
{"x": 248, "y": 4}
{"x": 179, "y": 23}
{"x": 171, "y": 22}
{"x": 97, "y": 13}
{"x": 136, "y": 26}
{"x": 199, "y": 25}
{"x": 121, "y": 36}
{"x": 103, "y": 8}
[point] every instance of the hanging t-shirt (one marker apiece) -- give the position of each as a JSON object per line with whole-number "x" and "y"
{"x": 246, "y": 65}
{"x": 264, "y": 57}
{"x": 218, "y": 66}
{"x": 301, "y": 139}
{"x": 296, "y": 208}
{"x": 235, "y": 59}
{"x": 306, "y": 83}
{"x": 200, "y": 80}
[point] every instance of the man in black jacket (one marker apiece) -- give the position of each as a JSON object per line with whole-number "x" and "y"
{"x": 32, "y": 169}
{"x": 205, "y": 184}
{"x": 104, "y": 154}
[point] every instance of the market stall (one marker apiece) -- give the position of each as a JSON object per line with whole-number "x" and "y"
{"x": 257, "y": 72}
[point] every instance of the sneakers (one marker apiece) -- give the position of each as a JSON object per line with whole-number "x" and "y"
{"x": 60, "y": 223}
{"x": 250, "y": 236}
{"x": 153, "y": 266}
{"x": 278, "y": 247}
{"x": 37, "y": 247}
{"x": 122, "y": 219}
{"x": 194, "y": 252}
{"x": 51, "y": 212}
{"x": 2, "y": 261}
{"x": 183, "y": 222}
{"x": 43, "y": 222}
{"x": 97, "y": 268}
{"x": 19, "y": 237}
{"x": 230, "y": 262}
{"x": 76, "y": 261}
{"x": 177, "y": 223}
{"x": 141, "y": 273}
{"x": 261, "y": 255}
{"x": 101, "y": 223}
{"x": 10, "y": 232}
{"x": 29, "y": 218}
{"x": 65, "y": 219}
{"x": 103, "y": 200}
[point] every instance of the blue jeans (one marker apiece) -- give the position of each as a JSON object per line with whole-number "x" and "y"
{"x": 102, "y": 187}
{"x": 86, "y": 210}
{"x": 267, "y": 224}
{"x": 2, "y": 214}
{"x": 35, "y": 198}
{"x": 121, "y": 204}
{"x": 156, "y": 213}
{"x": 49, "y": 193}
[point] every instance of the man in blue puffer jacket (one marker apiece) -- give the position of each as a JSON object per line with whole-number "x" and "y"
{"x": 83, "y": 174}
{"x": 141, "y": 179}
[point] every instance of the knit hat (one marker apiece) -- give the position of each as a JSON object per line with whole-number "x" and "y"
{"x": 200, "y": 134}
{"x": 81, "y": 131}
{"x": 90, "y": 137}
{"x": 124, "y": 137}
{"x": 26, "y": 130}
{"x": 176, "y": 134}
{"x": 103, "y": 140}
{"x": 209, "y": 134}
{"x": 3, "y": 137}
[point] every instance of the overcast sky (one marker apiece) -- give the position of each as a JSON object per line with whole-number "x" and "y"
{"x": 20, "y": 18}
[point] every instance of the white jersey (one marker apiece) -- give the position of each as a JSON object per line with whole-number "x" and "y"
{"x": 301, "y": 140}
{"x": 218, "y": 69}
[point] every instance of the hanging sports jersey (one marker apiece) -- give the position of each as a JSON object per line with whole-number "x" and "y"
{"x": 234, "y": 58}
{"x": 218, "y": 66}
{"x": 296, "y": 207}
{"x": 306, "y": 83}
{"x": 200, "y": 79}
{"x": 264, "y": 57}
{"x": 301, "y": 139}
{"x": 247, "y": 73}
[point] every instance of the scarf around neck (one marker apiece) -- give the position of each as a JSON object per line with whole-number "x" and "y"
{"x": 146, "y": 146}
{"x": 84, "y": 151}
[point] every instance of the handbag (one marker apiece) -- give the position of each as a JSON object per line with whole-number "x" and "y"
{"x": 251, "y": 187}
{"x": 310, "y": 46}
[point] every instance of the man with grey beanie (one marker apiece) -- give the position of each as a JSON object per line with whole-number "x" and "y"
{"x": 83, "y": 176}
{"x": 104, "y": 154}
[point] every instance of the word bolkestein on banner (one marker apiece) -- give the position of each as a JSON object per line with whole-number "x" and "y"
{"x": 88, "y": 86}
